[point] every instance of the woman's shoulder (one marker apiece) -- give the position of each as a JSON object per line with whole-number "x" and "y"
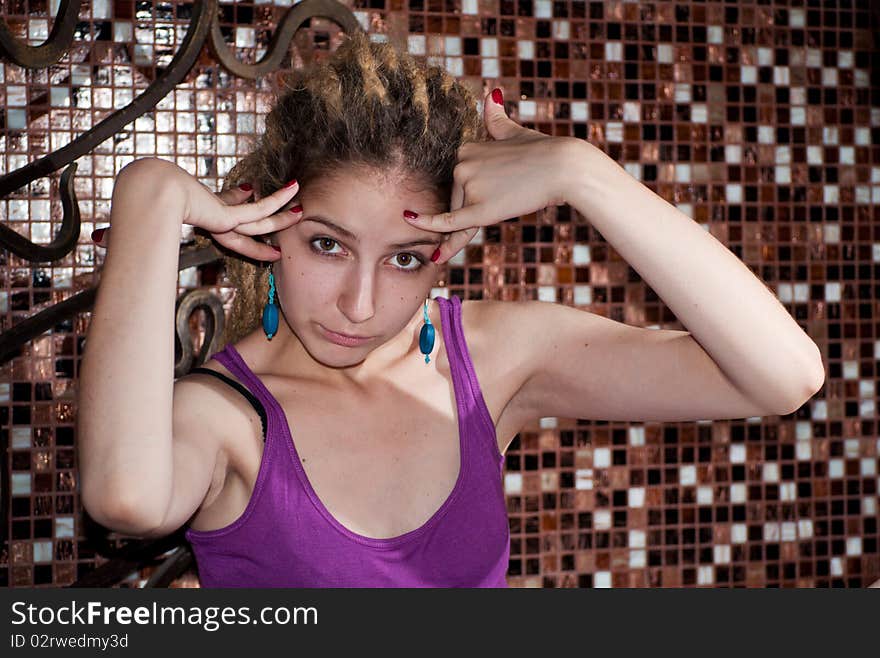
{"x": 501, "y": 366}
{"x": 500, "y": 321}
{"x": 481, "y": 319}
{"x": 495, "y": 328}
{"x": 203, "y": 391}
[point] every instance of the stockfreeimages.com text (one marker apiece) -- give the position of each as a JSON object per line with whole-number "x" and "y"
{"x": 210, "y": 618}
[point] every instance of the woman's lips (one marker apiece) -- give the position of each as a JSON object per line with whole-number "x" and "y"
{"x": 341, "y": 339}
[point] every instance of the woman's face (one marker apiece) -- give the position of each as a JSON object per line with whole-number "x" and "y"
{"x": 367, "y": 275}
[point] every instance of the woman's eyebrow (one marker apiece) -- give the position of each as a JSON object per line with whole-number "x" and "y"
{"x": 351, "y": 236}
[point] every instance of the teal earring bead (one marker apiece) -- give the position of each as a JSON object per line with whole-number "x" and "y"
{"x": 426, "y": 337}
{"x": 270, "y": 311}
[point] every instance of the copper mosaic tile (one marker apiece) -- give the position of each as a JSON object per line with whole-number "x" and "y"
{"x": 758, "y": 120}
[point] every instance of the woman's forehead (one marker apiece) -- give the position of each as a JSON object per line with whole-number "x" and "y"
{"x": 341, "y": 194}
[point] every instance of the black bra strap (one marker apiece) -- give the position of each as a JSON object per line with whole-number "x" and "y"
{"x": 255, "y": 403}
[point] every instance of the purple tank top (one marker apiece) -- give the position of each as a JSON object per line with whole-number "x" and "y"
{"x": 287, "y": 538}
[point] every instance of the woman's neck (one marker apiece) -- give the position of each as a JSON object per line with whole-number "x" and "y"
{"x": 286, "y": 355}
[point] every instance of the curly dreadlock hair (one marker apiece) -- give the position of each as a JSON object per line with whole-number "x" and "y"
{"x": 368, "y": 104}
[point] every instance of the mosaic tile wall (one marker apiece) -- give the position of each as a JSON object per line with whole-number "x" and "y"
{"x": 761, "y": 120}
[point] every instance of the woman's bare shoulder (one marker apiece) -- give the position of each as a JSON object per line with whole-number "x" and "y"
{"x": 484, "y": 319}
{"x": 498, "y": 364}
{"x": 221, "y": 406}
{"x": 218, "y": 422}
{"x": 486, "y": 324}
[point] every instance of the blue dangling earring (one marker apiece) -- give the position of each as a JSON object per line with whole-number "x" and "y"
{"x": 270, "y": 310}
{"x": 426, "y": 337}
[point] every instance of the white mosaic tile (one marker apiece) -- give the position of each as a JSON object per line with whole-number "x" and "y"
{"x": 613, "y": 51}
{"x": 602, "y": 579}
{"x": 416, "y": 44}
{"x": 42, "y": 551}
{"x": 770, "y": 472}
{"x": 706, "y": 575}
{"x": 602, "y": 519}
{"x": 721, "y": 554}
{"x": 704, "y": 495}
{"x": 636, "y": 497}
{"x": 63, "y": 526}
{"x": 543, "y": 9}
{"x": 525, "y": 49}
{"x": 636, "y": 435}
{"x": 636, "y": 539}
{"x": 737, "y": 453}
{"x": 637, "y": 559}
{"x": 853, "y": 545}
{"x": 738, "y": 492}
{"x": 687, "y": 475}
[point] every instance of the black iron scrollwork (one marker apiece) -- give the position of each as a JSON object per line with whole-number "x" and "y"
{"x": 51, "y": 50}
{"x": 185, "y": 306}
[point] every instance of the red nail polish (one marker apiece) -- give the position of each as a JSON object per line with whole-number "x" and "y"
{"x": 98, "y": 234}
{"x": 297, "y": 208}
{"x": 245, "y": 187}
{"x": 275, "y": 247}
{"x": 291, "y": 183}
{"x": 435, "y": 255}
{"x": 409, "y": 214}
{"x": 497, "y": 96}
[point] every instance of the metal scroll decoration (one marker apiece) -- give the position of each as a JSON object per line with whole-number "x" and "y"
{"x": 188, "y": 303}
{"x": 171, "y": 553}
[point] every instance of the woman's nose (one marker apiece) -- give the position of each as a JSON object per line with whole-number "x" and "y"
{"x": 357, "y": 302}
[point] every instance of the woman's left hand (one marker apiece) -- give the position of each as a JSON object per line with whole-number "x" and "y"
{"x": 518, "y": 173}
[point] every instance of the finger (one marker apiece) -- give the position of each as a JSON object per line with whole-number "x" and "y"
{"x": 448, "y": 222}
{"x": 99, "y": 236}
{"x": 246, "y": 246}
{"x": 267, "y": 205}
{"x": 455, "y": 243}
{"x": 499, "y": 125}
{"x": 276, "y": 222}
{"x": 456, "y": 198}
{"x": 236, "y": 194}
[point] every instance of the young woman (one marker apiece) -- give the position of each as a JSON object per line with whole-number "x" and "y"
{"x": 301, "y": 457}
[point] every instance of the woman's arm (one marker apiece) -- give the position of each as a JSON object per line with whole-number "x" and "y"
{"x": 749, "y": 337}
{"x": 726, "y": 308}
{"x": 149, "y": 445}
{"x": 124, "y": 424}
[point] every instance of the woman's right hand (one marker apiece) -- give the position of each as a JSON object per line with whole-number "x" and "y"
{"x": 226, "y": 216}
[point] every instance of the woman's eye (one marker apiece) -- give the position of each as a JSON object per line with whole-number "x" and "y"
{"x": 323, "y": 242}
{"x": 410, "y": 262}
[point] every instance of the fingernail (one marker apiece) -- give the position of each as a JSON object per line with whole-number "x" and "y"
{"x": 275, "y": 247}
{"x": 497, "y": 96}
{"x": 435, "y": 255}
{"x": 409, "y": 214}
{"x": 245, "y": 187}
{"x": 98, "y": 234}
{"x": 291, "y": 183}
{"x": 296, "y": 208}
